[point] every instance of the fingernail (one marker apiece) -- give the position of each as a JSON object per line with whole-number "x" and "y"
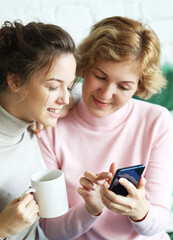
{"x": 121, "y": 180}
{"x": 48, "y": 128}
{"x": 38, "y": 134}
{"x": 99, "y": 182}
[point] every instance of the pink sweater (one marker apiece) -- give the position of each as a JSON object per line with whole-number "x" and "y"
{"x": 138, "y": 133}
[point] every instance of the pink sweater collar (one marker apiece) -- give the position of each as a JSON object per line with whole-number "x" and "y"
{"x": 105, "y": 123}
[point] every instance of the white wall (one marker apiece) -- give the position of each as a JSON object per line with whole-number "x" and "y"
{"x": 77, "y": 16}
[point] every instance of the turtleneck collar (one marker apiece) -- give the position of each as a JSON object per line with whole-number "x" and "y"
{"x": 11, "y": 128}
{"x": 104, "y": 123}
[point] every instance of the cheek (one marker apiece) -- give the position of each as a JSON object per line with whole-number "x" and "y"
{"x": 85, "y": 87}
{"x": 121, "y": 99}
{"x": 89, "y": 81}
{"x": 43, "y": 97}
{"x": 90, "y": 86}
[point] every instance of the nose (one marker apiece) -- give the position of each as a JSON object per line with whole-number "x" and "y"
{"x": 107, "y": 91}
{"x": 63, "y": 96}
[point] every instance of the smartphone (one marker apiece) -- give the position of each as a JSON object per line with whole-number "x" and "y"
{"x": 132, "y": 174}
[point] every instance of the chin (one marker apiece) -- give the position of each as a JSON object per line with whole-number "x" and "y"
{"x": 50, "y": 123}
{"x": 98, "y": 114}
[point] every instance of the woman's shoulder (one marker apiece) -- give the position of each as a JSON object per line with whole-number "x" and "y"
{"x": 151, "y": 111}
{"x": 147, "y": 106}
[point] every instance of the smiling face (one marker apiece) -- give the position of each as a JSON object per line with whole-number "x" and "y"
{"x": 108, "y": 86}
{"x": 47, "y": 92}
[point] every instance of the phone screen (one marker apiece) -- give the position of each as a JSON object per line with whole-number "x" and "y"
{"x": 132, "y": 174}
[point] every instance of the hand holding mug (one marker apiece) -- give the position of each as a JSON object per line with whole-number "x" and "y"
{"x": 18, "y": 215}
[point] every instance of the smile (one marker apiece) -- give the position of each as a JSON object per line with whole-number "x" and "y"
{"x": 53, "y": 110}
{"x": 100, "y": 103}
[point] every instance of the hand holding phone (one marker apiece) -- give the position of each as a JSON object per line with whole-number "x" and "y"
{"x": 132, "y": 174}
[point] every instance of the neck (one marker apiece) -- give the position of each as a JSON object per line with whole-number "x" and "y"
{"x": 103, "y": 123}
{"x": 11, "y": 104}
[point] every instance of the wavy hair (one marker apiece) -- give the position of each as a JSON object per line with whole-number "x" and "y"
{"x": 26, "y": 49}
{"x": 121, "y": 39}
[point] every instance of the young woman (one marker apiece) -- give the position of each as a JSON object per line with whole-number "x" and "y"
{"x": 37, "y": 70}
{"x": 119, "y": 58}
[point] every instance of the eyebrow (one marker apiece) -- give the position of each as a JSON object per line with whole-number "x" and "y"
{"x": 102, "y": 72}
{"x": 55, "y": 79}
{"x": 128, "y": 82}
{"x": 59, "y": 80}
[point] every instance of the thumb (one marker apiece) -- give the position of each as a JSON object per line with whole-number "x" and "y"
{"x": 38, "y": 134}
{"x": 141, "y": 183}
{"x": 14, "y": 201}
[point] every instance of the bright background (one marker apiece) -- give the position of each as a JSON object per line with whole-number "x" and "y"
{"x": 77, "y": 16}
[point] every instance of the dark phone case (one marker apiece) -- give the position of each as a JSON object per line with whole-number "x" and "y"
{"x": 132, "y": 174}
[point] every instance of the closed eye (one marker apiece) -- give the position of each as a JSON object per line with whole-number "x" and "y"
{"x": 101, "y": 78}
{"x": 123, "y": 88}
{"x": 53, "y": 88}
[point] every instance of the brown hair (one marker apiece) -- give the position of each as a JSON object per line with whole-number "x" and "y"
{"x": 122, "y": 39}
{"x": 26, "y": 49}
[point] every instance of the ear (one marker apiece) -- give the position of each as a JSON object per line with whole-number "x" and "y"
{"x": 13, "y": 82}
{"x": 138, "y": 88}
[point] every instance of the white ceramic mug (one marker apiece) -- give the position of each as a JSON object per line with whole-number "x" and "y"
{"x": 49, "y": 189}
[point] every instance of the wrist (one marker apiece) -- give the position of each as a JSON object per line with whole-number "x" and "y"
{"x": 98, "y": 214}
{"x": 3, "y": 234}
{"x": 140, "y": 220}
{"x": 93, "y": 213}
{"x": 2, "y": 237}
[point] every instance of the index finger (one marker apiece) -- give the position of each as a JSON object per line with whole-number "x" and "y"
{"x": 104, "y": 176}
{"x": 26, "y": 199}
{"x": 90, "y": 176}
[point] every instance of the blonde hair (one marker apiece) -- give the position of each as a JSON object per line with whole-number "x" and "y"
{"x": 122, "y": 39}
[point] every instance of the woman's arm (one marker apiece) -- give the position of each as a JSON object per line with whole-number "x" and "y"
{"x": 77, "y": 220}
{"x": 158, "y": 188}
{"x": 71, "y": 225}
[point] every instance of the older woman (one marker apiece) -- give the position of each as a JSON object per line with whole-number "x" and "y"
{"x": 119, "y": 58}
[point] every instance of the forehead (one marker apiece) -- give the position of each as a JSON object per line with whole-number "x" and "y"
{"x": 117, "y": 71}
{"x": 109, "y": 66}
{"x": 61, "y": 67}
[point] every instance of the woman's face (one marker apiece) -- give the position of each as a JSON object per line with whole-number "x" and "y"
{"x": 48, "y": 92}
{"x": 108, "y": 86}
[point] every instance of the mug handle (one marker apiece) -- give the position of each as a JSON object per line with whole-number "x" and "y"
{"x": 29, "y": 190}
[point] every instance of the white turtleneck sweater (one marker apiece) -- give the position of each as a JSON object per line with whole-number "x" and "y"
{"x": 20, "y": 157}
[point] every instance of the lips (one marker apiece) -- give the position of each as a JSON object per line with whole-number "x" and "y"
{"x": 101, "y": 103}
